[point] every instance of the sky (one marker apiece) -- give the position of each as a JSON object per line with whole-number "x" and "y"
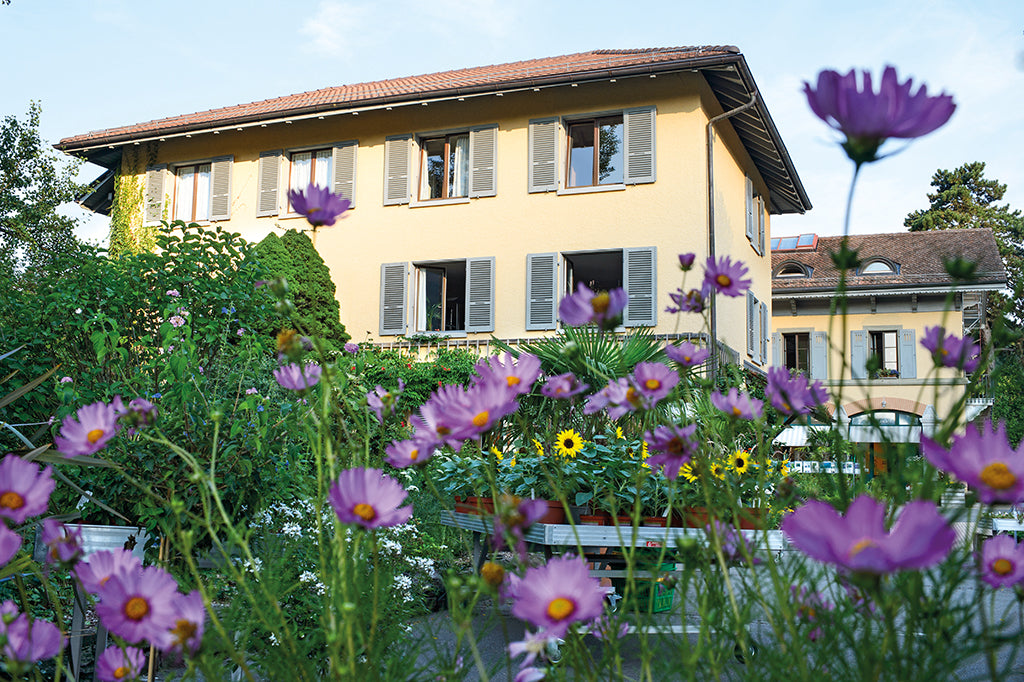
{"x": 95, "y": 64}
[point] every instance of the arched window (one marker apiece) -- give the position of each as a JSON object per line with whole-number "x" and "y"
{"x": 792, "y": 269}
{"x": 879, "y": 266}
{"x": 885, "y": 418}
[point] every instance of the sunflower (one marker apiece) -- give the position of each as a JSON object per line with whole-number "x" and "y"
{"x": 540, "y": 447}
{"x": 784, "y": 468}
{"x": 717, "y": 469}
{"x": 740, "y": 461}
{"x": 497, "y": 453}
{"x": 687, "y": 472}
{"x": 618, "y": 433}
{"x": 568, "y": 443}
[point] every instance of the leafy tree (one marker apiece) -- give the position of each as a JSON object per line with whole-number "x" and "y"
{"x": 34, "y": 182}
{"x": 1007, "y": 380}
{"x": 293, "y": 257}
{"x": 965, "y": 198}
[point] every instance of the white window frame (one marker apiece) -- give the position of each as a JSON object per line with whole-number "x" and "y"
{"x": 196, "y": 166}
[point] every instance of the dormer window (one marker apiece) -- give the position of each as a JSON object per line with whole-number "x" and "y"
{"x": 879, "y": 267}
{"x": 792, "y": 270}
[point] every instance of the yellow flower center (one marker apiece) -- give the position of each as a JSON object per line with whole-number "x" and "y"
{"x": 120, "y": 672}
{"x": 631, "y": 395}
{"x": 136, "y": 608}
{"x": 998, "y": 476}
{"x": 1002, "y": 566}
{"x": 687, "y": 359}
{"x": 560, "y": 608}
{"x": 736, "y": 412}
{"x": 861, "y": 546}
{"x": 723, "y": 280}
{"x": 512, "y": 381}
{"x": 481, "y": 419}
{"x": 183, "y": 630}
{"x": 414, "y": 454}
{"x": 94, "y": 435}
{"x": 11, "y": 500}
{"x": 652, "y": 384}
{"x": 600, "y": 302}
{"x": 364, "y": 511}
{"x": 443, "y": 430}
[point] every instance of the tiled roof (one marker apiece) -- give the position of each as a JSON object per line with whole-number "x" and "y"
{"x": 549, "y": 70}
{"x": 918, "y": 255}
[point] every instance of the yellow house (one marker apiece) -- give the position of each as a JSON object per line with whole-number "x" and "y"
{"x": 899, "y": 290}
{"x": 482, "y": 195}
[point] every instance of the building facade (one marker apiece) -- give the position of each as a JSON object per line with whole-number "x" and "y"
{"x": 481, "y": 196}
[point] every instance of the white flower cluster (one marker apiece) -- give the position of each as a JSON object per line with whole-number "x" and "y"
{"x": 310, "y": 577}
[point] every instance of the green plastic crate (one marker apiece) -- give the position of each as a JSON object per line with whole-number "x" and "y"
{"x": 663, "y": 596}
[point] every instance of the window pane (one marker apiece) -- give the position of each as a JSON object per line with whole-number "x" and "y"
{"x": 322, "y": 169}
{"x": 458, "y": 166}
{"x": 183, "y": 203}
{"x": 433, "y": 300}
{"x": 301, "y": 170}
{"x": 581, "y": 154}
{"x": 433, "y": 169}
{"x": 203, "y": 192}
{"x": 610, "y": 151}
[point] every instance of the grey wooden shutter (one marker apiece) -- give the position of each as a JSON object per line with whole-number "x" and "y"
{"x": 396, "y": 169}
{"x": 267, "y": 180}
{"x": 220, "y": 187}
{"x": 344, "y": 161}
{"x": 393, "y": 279}
{"x": 750, "y": 210}
{"x": 480, "y": 294}
{"x": 154, "y": 208}
{"x": 638, "y": 140}
{"x": 907, "y": 354}
{"x": 760, "y": 207}
{"x": 858, "y": 353}
{"x": 543, "y": 143}
{"x": 541, "y": 291}
{"x": 640, "y": 280}
{"x": 751, "y": 312}
{"x": 483, "y": 149}
{"x": 819, "y": 355}
{"x": 776, "y": 350}
{"x": 763, "y": 332}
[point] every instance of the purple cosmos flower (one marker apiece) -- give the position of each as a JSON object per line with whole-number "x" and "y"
{"x": 1002, "y": 561}
{"x": 138, "y": 414}
{"x": 98, "y": 567}
{"x": 10, "y": 543}
{"x": 563, "y": 386}
{"x": 436, "y": 423}
{"x": 514, "y": 517}
{"x": 64, "y": 542}
{"x": 653, "y": 381}
{"x": 190, "y": 622}
{"x": 983, "y": 460}
{"x": 530, "y": 674}
{"x": 951, "y": 351}
{"x": 405, "y": 453}
{"x": 517, "y": 374}
{"x": 558, "y": 594}
{"x": 686, "y": 261}
{"x": 673, "y": 445}
{"x": 734, "y": 545}
{"x": 686, "y": 354}
{"x": 604, "y": 628}
{"x": 139, "y": 605}
{"x": 174, "y": 293}
{"x": 66, "y": 380}
{"x": 241, "y": 332}
{"x": 368, "y": 498}
{"x": 616, "y": 394}
{"x": 533, "y": 644}
{"x": 89, "y": 432}
{"x": 351, "y": 347}
{"x": 585, "y": 306}
{"x": 484, "y": 404}
{"x": 726, "y": 277}
{"x": 252, "y": 391}
{"x": 24, "y": 489}
{"x": 177, "y": 321}
{"x": 737, "y": 405}
{"x": 792, "y": 395}
{"x": 295, "y": 377}
{"x": 868, "y": 118}
{"x": 858, "y": 542}
{"x": 384, "y": 402}
{"x": 115, "y": 665}
{"x": 28, "y": 641}
{"x": 319, "y": 205}
{"x": 693, "y": 301}
{"x": 809, "y": 605}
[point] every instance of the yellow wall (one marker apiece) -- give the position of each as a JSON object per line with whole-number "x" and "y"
{"x": 669, "y": 213}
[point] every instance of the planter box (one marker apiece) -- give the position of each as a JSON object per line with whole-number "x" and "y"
{"x": 96, "y": 538}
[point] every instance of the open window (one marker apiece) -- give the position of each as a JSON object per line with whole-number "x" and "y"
{"x": 455, "y": 296}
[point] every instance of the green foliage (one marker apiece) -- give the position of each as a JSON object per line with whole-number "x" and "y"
{"x": 310, "y": 288}
{"x": 34, "y": 182}
{"x": 1007, "y": 380}
{"x": 965, "y": 198}
{"x": 388, "y": 367}
{"x": 127, "y": 235}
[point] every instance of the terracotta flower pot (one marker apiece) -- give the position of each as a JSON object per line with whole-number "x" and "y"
{"x": 554, "y": 514}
